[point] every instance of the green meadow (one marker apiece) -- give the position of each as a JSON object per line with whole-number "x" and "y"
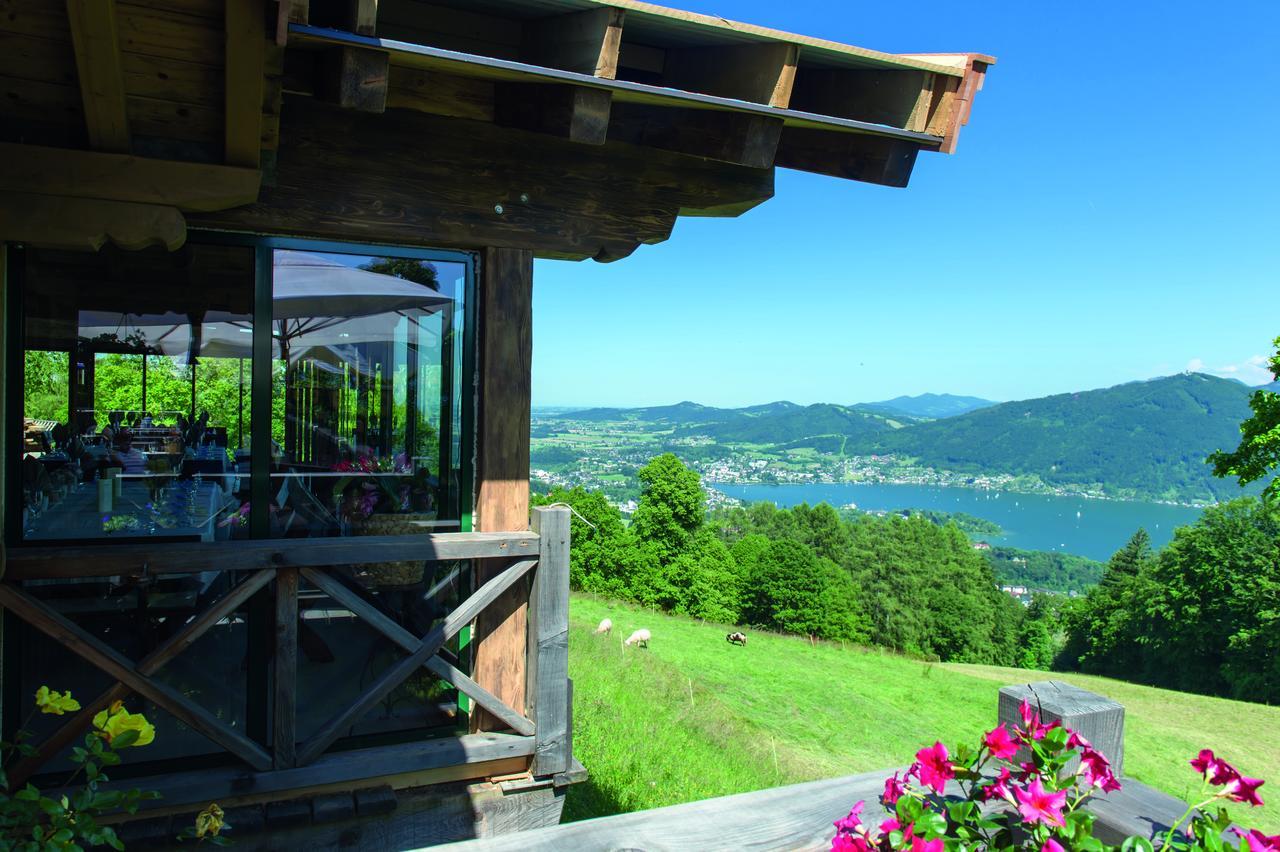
{"x": 693, "y": 717}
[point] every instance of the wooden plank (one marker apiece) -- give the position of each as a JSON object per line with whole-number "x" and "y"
{"x": 548, "y": 644}
{"x": 502, "y": 460}
{"x": 737, "y": 138}
{"x": 356, "y": 78}
{"x": 285, "y": 675}
{"x": 762, "y": 73}
{"x": 484, "y": 597}
{"x": 87, "y": 224}
{"x": 148, "y": 665}
{"x": 245, "y": 66}
{"x": 95, "y": 35}
{"x": 575, "y": 113}
{"x": 363, "y": 15}
{"x": 186, "y": 558}
{"x": 587, "y": 41}
{"x": 77, "y": 640}
{"x": 119, "y": 177}
{"x": 163, "y": 32}
{"x": 408, "y": 642}
{"x": 873, "y": 159}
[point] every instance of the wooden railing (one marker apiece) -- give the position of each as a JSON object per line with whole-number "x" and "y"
{"x": 282, "y": 565}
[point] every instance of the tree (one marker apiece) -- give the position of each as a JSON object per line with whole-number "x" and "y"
{"x": 1126, "y": 562}
{"x": 1259, "y": 450}
{"x": 672, "y": 506}
{"x": 420, "y": 271}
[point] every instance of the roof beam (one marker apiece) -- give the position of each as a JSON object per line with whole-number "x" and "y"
{"x": 245, "y": 68}
{"x": 902, "y": 99}
{"x": 762, "y": 73}
{"x": 356, "y": 78}
{"x": 95, "y": 38}
{"x": 728, "y": 137}
{"x": 874, "y": 159}
{"x": 363, "y": 15}
{"x": 576, "y": 113}
{"x": 81, "y": 224}
{"x": 587, "y": 42}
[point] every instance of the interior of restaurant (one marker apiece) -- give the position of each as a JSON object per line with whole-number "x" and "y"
{"x": 147, "y": 417}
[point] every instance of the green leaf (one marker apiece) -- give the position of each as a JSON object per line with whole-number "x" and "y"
{"x": 124, "y": 739}
{"x": 1136, "y": 844}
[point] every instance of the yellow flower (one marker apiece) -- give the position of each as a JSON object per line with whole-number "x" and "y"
{"x": 55, "y": 703}
{"x": 115, "y": 720}
{"x": 209, "y": 821}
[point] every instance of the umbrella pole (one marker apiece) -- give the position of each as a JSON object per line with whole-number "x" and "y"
{"x": 240, "y": 426}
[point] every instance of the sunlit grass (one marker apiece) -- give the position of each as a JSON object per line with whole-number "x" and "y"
{"x": 781, "y": 711}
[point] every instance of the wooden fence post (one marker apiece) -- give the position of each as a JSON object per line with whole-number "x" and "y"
{"x": 1099, "y": 720}
{"x": 547, "y": 669}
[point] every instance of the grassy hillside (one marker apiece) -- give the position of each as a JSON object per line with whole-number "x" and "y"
{"x": 693, "y": 717}
{"x": 795, "y": 427}
{"x": 1141, "y": 439}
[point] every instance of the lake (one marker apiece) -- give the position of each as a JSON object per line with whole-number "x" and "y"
{"x": 1092, "y": 528}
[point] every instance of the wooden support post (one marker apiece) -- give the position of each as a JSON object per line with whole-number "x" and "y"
{"x": 95, "y": 37}
{"x": 502, "y": 461}
{"x": 356, "y": 78}
{"x": 285, "y": 728}
{"x": 547, "y": 676}
{"x": 587, "y": 42}
{"x": 1097, "y": 719}
{"x": 245, "y": 67}
{"x": 363, "y": 16}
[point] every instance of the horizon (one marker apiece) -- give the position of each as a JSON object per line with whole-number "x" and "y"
{"x": 1059, "y": 248}
{"x": 687, "y": 401}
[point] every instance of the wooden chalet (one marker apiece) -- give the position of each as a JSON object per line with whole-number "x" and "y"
{"x": 267, "y": 273}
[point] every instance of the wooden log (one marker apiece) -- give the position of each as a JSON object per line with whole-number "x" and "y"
{"x": 245, "y": 67}
{"x": 561, "y": 199}
{"x": 576, "y": 113}
{"x": 119, "y": 177}
{"x": 547, "y": 655}
{"x": 78, "y": 641}
{"x": 739, "y": 138}
{"x": 502, "y": 460}
{"x": 187, "y": 558}
{"x": 587, "y": 42}
{"x": 1097, "y": 719}
{"x": 87, "y": 224}
{"x": 430, "y": 644}
{"x": 285, "y": 672}
{"x": 355, "y": 78}
{"x": 763, "y": 73}
{"x": 874, "y": 159}
{"x": 95, "y": 37}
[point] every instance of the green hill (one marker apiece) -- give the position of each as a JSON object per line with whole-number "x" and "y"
{"x": 1141, "y": 439}
{"x": 934, "y": 406}
{"x": 692, "y": 717}
{"x": 796, "y": 426}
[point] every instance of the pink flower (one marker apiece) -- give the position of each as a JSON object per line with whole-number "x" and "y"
{"x": 1097, "y": 771}
{"x": 852, "y": 821}
{"x": 999, "y": 743}
{"x": 1203, "y": 761}
{"x": 1052, "y": 845}
{"x": 999, "y": 788}
{"x": 1242, "y": 789}
{"x": 918, "y": 845}
{"x": 1036, "y": 804}
{"x": 933, "y": 767}
{"x": 849, "y": 843}
{"x": 890, "y": 825}
{"x": 894, "y": 787}
{"x": 1077, "y": 741}
{"x": 1256, "y": 841}
{"x": 1033, "y": 729}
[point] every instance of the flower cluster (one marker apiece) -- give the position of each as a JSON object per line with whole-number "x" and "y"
{"x": 1019, "y": 790}
{"x": 122, "y": 728}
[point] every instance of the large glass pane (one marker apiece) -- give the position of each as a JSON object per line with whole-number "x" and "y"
{"x": 131, "y": 374}
{"x": 365, "y": 403}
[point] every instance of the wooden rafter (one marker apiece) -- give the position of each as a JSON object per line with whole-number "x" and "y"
{"x": 761, "y": 73}
{"x": 87, "y": 224}
{"x": 95, "y": 38}
{"x": 245, "y": 66}
{"x": 135, "y": 677}
{"x": 587, "y": 42}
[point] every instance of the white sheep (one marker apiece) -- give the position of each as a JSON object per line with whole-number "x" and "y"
{"x": 640, "y": 638}
{"x": 606, "y": 627}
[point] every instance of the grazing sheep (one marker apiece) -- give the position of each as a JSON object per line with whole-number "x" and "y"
{"x": 737, "y": 638}
{"x": 640, "y": 638}
{"x": 606, "y": 627}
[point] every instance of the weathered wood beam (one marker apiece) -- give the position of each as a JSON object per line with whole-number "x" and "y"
{"x": 900, "y": 98}
{"x": 738, "y": 138}
{"x": 502, "y": 462}
{"x": 761, "y": 73}
{"x": 355, "y": 78}
{"x": 576, "y": 113}
{"x": 547, "y": 654}
{"x": 87, "y": 224}
{"x": 864, "y": 157}
{"x": 561, "y": 199}
{"x": 244, "y": 72}
{"x": 587, "y": 42}
{"x": 130, "y": 560}
{"x": 95, "y": 38}
{"x": 285, "y": 671}
{"x": 440, "y": 94}
{"x": 362, "y": 15}
{"x": 120, "y": 177}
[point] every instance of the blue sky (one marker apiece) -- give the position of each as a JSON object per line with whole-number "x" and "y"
{"x": 1112, "y": 213}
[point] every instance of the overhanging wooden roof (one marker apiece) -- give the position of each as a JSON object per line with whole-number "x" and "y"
{"x": 683, "y": 114}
